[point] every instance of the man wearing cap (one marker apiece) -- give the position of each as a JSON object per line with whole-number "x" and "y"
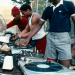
{"x": 38, "y": 40}
{"x": 18, "y": 20}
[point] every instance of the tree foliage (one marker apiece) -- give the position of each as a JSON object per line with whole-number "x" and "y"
{"x": 41, "y": 6}
{"x": 21, "y": 1}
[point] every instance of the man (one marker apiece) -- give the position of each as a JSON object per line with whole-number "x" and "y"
{"x": 38, "y": 39}
{"x": 18, "y": 20}
{"x": 58, "y": 40}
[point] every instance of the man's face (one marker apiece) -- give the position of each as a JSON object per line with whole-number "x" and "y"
{"x": 16, "y": 17}
{"x": 24, "y": 13}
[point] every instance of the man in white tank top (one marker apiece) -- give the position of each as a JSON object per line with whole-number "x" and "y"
{"x": 39, "y": 39}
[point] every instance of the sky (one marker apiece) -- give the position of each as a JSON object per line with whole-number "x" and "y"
{"x": 6, "y": 3}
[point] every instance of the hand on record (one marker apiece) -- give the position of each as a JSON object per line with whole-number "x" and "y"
{"x": 15, "y": 37}
{"x": 21, "y": 43}
{"x": 24, "y": 43}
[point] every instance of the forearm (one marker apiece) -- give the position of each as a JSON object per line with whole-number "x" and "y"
{"x": 23, "y": 32}
{"x": 25, "y": 35}
{"x": 73, "y": 19}
{"x": 10, "y": 24}
{"x": 21, "y": 36}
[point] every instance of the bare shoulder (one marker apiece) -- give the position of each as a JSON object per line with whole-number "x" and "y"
{"x": 36, "y": 17}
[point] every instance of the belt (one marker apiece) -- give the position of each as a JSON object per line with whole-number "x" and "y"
{"x": 41, "y": 38}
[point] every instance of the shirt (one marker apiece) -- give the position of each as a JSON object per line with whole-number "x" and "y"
{"x": 40, "y": 34}
{"x": 20, "y": 23}
{"x": 59, "y": 16}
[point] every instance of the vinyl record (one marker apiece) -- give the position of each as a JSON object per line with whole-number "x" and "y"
{"x": 43, "y": 67}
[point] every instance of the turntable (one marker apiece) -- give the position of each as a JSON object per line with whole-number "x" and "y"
{"x": 44, "y": 67}
{"x": 16, "y": 50}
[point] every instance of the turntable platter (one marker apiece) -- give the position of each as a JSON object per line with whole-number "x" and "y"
{"x": 43, "y": 67}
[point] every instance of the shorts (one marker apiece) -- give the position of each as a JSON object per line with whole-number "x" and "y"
{"x": 40, "y": 44}
{"x": 58, "y": 46}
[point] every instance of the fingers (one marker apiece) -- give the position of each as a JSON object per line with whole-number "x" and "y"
{"x": 23, "y": 43}
{"x": 20, "y": 44}
{"x": 26, "y": 44}
{"x": 15, "y": 37}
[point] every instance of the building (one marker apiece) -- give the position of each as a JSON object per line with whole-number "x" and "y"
{"x": 5, "y": 11}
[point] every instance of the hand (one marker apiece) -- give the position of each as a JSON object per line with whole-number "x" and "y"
{"x": 21, "y": 44}
{"x": 15, "y": 37}
{"x": 73, "y": 50}
{"x": 24, "y": 43}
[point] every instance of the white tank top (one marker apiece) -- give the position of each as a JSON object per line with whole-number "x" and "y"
{"x": 40, "y": 34}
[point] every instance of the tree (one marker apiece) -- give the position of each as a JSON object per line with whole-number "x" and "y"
{"x": 21, "y": 1}
{"x": 41, "y": 6}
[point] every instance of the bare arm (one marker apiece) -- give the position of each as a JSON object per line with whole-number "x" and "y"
{"x": 33, "y": 32}
{"x": 10, "y": 24}
{"x": 21, "y": 35}
{"x": 25, "y": 30}
{"x": 29, "y": 29}
{"x": 36, "y": 29}
{"x": 73, "y": 18}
